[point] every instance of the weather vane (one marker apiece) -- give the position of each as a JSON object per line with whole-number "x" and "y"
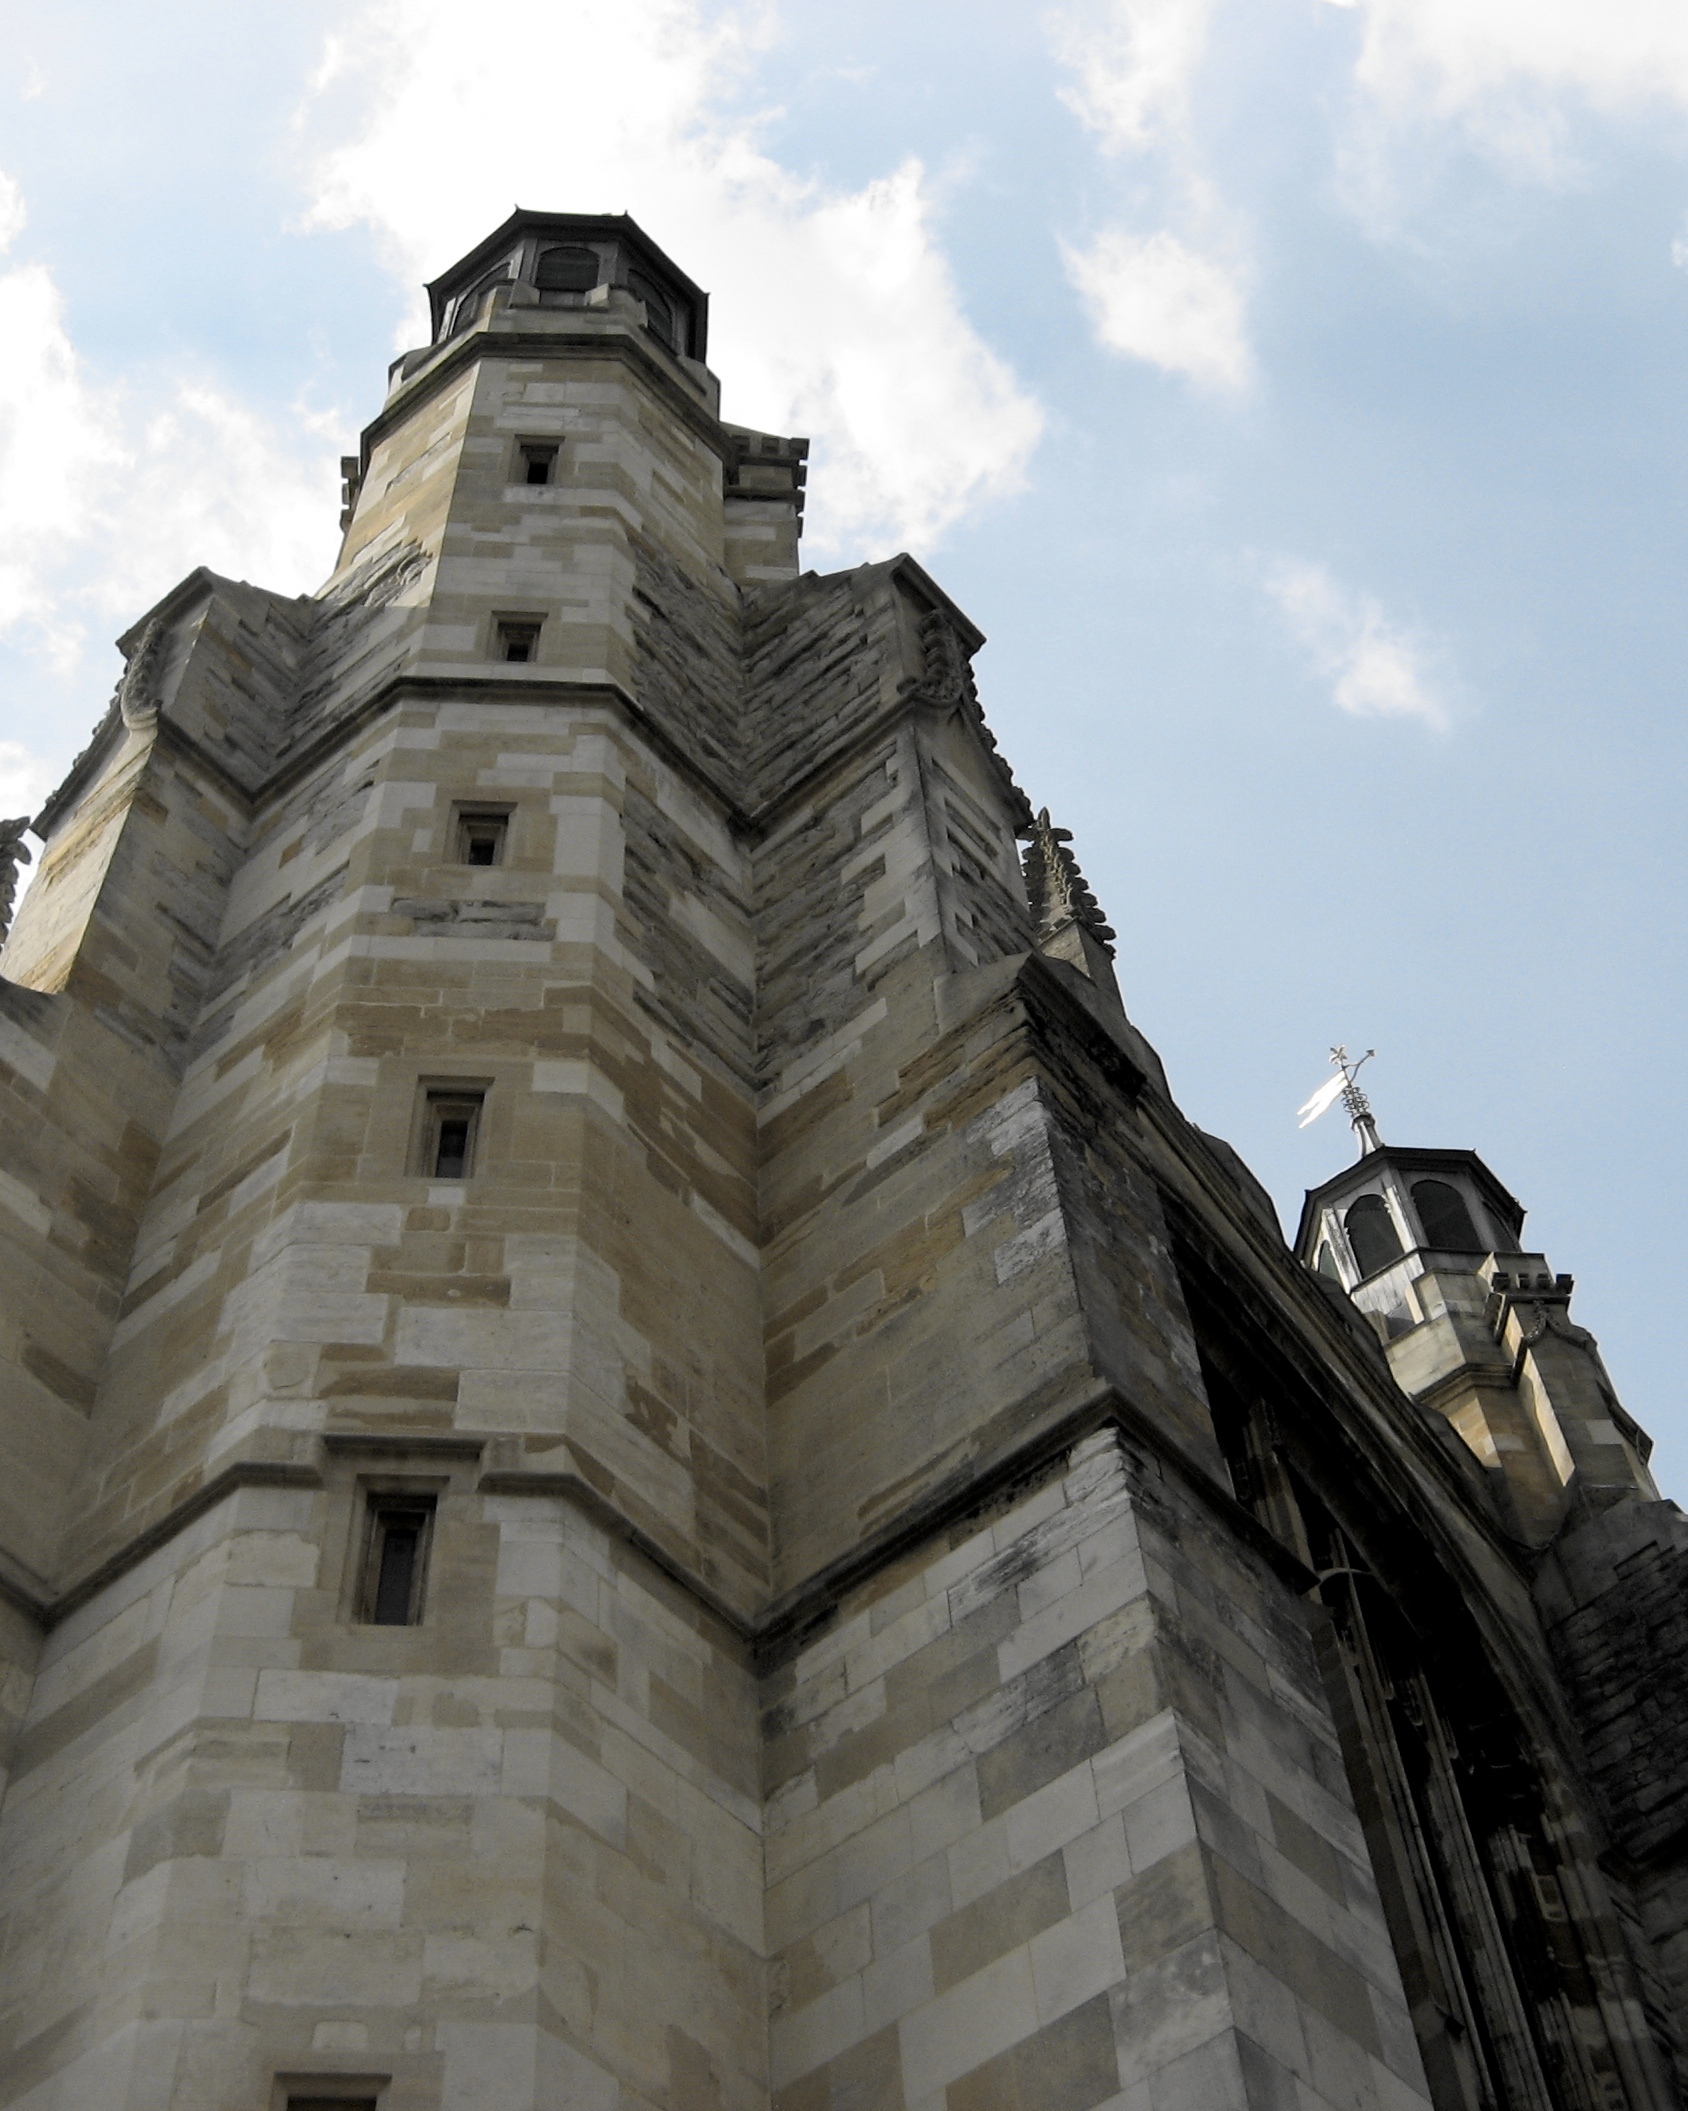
{"x": 1343, "y": 1087}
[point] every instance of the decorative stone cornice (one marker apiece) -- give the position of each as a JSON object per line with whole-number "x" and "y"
{"x": 138, "y": 701}
{"x": 13, "y": 853}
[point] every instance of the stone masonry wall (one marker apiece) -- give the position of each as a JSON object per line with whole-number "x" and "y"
{"x": 955, "y": 1257}
{"x": 1615, "y": 1603}
{"x": 296, "y": 1270}
{"x": 808, "y": 1202}
{"x": 106, "y": 971}
{"x": 475, "y": 1857}
{"x": 1057, "y": 1820}
{"x": 822, "y": 658}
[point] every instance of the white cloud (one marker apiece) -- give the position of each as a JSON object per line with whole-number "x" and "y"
{"x": 105, "y": 504}
{"x": 25, "y": 780}
{"x": 1506, "y": 74}
{"x": 1375, "y": 668}
{"x": 57, "y": 442}
{"x": 206, "y": 480}
{"x": 832, "y": 314}
{"x": 1157, "y": 297}
{"x": 1454, "y": 53}
{"x": 1154, "y": 299}
{"x": 1135, "y": 60}
{"x": 13, "y": 216}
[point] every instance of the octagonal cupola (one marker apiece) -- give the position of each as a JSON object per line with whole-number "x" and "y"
{"x": 1427, "y": 1244}
{"x": 1398, "y": 1213}
{"x": 573, "y": 260}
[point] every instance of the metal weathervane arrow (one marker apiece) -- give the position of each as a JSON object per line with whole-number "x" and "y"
{"x": 1342, "y": 1087}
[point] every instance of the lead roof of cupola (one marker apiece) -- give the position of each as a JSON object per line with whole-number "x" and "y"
{"x": 525, "y": 224}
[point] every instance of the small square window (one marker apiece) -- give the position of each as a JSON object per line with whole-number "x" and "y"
{"x": 450, "y": 1129}
{"x": 480, "y": 834}
{"x": 538, "y": 461}
{"x": 329, "y": 2092}
{"x": 518, "y": 639}
{"x": 396, "y": 1560}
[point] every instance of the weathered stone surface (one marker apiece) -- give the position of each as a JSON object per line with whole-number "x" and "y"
{"x": 924, "y": 1601}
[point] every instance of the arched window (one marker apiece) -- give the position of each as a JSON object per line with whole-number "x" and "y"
{"x": 1371, "y": 1233}
{"x": 469, "y": 304}
{"x": 1445, "y": 1218}
{"x": 1326, "y": 1263}
{"x": 567, "y": 270}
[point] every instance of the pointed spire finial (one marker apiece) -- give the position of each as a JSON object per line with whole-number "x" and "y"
{"x": 1057, "y": 888}
{"x": 1360, "y": 1118}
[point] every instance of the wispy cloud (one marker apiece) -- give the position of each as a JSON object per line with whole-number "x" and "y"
{"x": 1507, "y": 77}
{"x": 1133, "y": 61}
{"x": 1154, "y": 299}
{"x": 105, "y": 501}
{"x": 1168, "y": 296}
{"x": 1453, "y": 54}
{"x": 834, "y": 313}
{"x": 1376, "y": 668}
{"x": 57, "y": 440}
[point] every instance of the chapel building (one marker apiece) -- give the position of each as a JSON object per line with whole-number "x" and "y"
{"x": 643, "y": 1467}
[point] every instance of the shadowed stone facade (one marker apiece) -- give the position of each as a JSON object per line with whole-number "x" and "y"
{"x": 647, "y": 1469}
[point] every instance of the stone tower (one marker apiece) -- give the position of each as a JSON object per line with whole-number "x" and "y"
{"x": 646, "y": 1468}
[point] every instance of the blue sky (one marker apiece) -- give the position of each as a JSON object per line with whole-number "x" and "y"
{"x": 1293, "y": 391}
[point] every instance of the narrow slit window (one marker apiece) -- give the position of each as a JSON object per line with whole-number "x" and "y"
{"x": 539, "y": 461}
{"x": 450, "y": 1132}
{"x": 331, "y": 2103}
{"x": 396, "y": 1566}
{"x": 452, "y": 1161}
{"x": 481, "y": 835}
{"x": 518, "y": 641}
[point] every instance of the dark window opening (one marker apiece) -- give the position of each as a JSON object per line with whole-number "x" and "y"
{"x": 399, "y": 1528}
{"x": 1326, "y": 1263}
{"x": 567, "y": 270}
{"x": 1371, "y": 1233}
{"x": 659, "y": 310}
{"x": 450, "y": 1131}
{"x": 518, "y": 642}
{"x": 469, "y": 305}
{"x": 539, "y": 459}
{"x": 481, "y": 836}
{"x": 331, "y": 2103}
{"x": 1445, "y": 1219}
{"x": 452, "y": 1159}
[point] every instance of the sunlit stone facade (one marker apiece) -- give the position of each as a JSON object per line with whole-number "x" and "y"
{"x": 646, "y": 1469}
